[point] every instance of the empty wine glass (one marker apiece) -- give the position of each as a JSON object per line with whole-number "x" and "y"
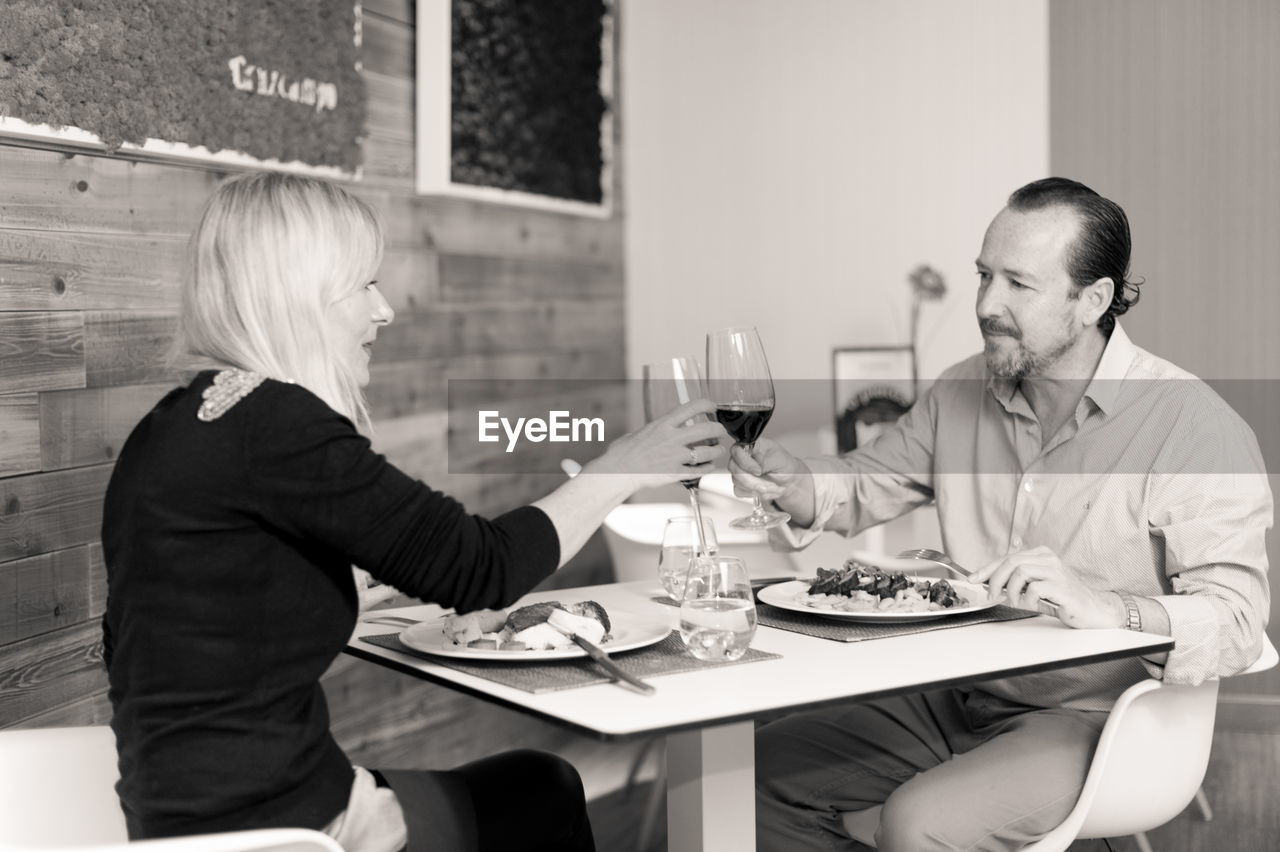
{"x": 670, "y": 384}
{"x": 742, "y": 390}
{"x": 717, "y": 612}
{"x": 680, "y": 543}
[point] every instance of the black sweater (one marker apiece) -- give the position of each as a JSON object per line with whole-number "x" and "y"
{"x": 229, "y": 547}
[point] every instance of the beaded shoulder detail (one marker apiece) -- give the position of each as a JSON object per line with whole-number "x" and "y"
{"x": 228, "y": 388}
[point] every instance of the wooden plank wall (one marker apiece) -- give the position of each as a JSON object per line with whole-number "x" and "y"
{"x": 90, "y": 255}
{"x": 1172, "y": 108}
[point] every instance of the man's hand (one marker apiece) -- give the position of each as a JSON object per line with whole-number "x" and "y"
{"x": 774, "y": 474}
{"x": 1028, "y": 576}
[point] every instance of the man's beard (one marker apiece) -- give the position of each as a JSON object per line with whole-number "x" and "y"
{"x": 1022, "y": 362}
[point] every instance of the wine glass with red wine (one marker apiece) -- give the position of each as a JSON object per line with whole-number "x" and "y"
{"x": 742, "y": 390}
{"x": 667, "y": 385}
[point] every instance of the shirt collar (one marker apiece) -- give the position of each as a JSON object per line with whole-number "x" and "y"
{"x": 1118, "y": 355}
{"x": 1103, "y": 388}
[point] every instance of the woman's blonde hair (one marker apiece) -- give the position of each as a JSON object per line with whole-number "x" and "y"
{"x": 271, "y": 254}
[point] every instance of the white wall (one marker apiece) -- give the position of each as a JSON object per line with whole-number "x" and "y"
{"x": 787, "y": 162}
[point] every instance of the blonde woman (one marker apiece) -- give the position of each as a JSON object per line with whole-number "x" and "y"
{"x": 236, "y": 510}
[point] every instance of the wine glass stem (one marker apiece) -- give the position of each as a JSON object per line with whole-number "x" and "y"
{"x": 757, "y": 510}
{"x": 697, "y": 522}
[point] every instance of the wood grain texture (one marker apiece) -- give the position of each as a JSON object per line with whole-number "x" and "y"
{"x": 85, "y": 427}
{"x": 477, "y": 228}
{"x": 51, "y": 670}
{"x": 401, "y": 11}
{"x": 44, "y": 593}
{"x": 41, "y": 351}
{"x": 409, "y": 278}
{"x": 128, "y": 348}
{"x": 45, "y": 512}
{"x": 94, "y": 709}
{"x": 63, "y": 271}
{"x": 90, "y": 261}
{"x": 388, "y": 47}
{"x": 19, "y": 434}
{"x": 410, "y": 387}
{"x": 471, "y": 278}
{"x": 459, "y": 226}
{"x": 390, "y": 106}
{"x": 50, "y": 191}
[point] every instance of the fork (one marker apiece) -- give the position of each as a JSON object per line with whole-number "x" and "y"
{"x": 937, "y": 557}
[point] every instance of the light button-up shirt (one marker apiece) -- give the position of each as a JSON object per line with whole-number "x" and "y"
{"x": 1155, "y": 487}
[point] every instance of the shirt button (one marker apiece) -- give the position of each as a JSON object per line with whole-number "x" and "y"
{"x": 1026, "y": 486}
{"x": 1017, "y": 542}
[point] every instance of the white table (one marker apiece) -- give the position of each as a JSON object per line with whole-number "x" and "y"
{"x": 707, "y": 715}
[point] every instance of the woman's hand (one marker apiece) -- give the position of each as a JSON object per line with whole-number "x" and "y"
{"x": 678, "y": 445}
{"x": 776, "y": 475}
{"x": 1028, "y": 576}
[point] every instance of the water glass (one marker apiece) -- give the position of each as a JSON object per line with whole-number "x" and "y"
{"x": 718, "y": 612}
{"x": 679, "y": 545}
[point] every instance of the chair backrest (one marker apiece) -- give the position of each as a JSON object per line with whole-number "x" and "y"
{"x": 57, "y": 787}
{"x": 57, "y": 794}
{"x": 1150, "y": 760}
{"x": 1155, "y": 759}
{"x": 1148, "y": 765}
{"x": 633, "y": 534}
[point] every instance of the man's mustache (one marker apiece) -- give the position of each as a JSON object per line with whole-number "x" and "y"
{"x": 993, "y": 327}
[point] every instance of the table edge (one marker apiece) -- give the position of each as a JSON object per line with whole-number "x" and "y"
{"x": 623, "y": 736}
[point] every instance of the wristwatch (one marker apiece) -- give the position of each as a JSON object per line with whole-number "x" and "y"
{"x": 1133, "y": 616}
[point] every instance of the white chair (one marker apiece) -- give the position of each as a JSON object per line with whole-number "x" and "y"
{"x": 57, "y": 792}
{"x": 1148, "y": 766}
{"x": 633, "y": 534}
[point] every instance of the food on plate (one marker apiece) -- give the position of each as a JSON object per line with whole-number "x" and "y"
{"x": 527, "y": 628}
{"x": 858, "y": 587}
{"x": 465, "y": 629}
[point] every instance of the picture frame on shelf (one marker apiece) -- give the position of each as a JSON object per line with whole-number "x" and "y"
{"x": 529, "y": 124}
{"x": 872, "y": 386}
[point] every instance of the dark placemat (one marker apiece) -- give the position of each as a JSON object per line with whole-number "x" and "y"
{"x": 666, "y": 657}
{"x": 860, "y": 631}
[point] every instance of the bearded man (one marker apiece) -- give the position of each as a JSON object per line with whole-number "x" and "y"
{"x": 1074, "y": 467}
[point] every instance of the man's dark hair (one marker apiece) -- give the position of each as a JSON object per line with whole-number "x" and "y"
{"x": 1101, "y": 249}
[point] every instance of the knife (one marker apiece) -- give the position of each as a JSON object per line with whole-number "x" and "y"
{"x": 593, "y": 651}
{"x": 621, "y": 677}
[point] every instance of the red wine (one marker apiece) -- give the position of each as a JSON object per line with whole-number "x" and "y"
{"x": 744, "y": 422}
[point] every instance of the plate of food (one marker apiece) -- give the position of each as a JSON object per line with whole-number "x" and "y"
{"x": 525, "y": 635}
{"x": 861, "y": 591}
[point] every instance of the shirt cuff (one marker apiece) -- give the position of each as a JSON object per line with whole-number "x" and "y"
{"x": 1193, "y": 624}
{"x": 828, "y": 500}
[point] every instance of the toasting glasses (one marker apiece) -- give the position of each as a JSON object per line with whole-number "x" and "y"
{"x": 667, "y": 385}
{"x": 742, "y": 390}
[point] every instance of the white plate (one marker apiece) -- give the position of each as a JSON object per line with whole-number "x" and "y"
{"x": 783, "y": 596}
{"x": 629, "y": 631}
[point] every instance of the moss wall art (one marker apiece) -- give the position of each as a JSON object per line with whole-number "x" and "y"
{"x": 526, "y": 99}
{"x": 274, "y": 79}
